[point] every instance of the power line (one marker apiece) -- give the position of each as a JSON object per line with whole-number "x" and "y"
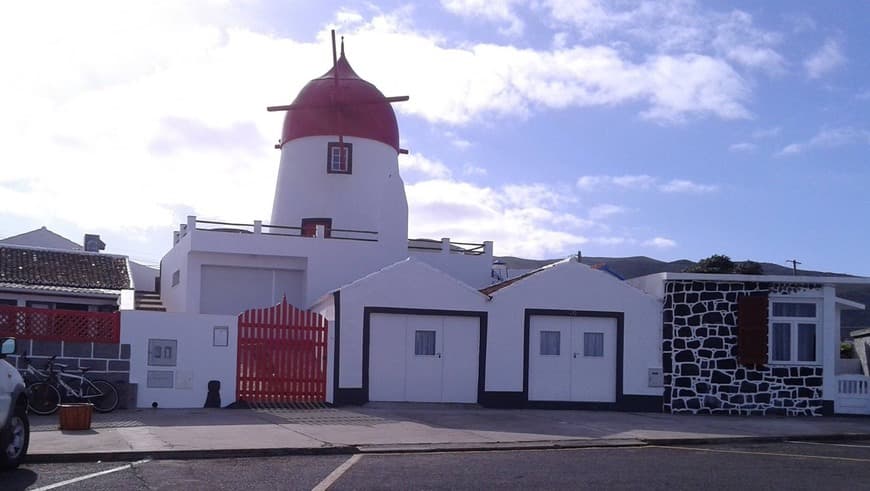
{"x": 794, "y": 265}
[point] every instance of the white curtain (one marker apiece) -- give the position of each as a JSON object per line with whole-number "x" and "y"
{"x": 593, "y": 344}
{"x": 781, "y": 342}
{"x": 550, "y": 342}
{"x": 424, "y": 343}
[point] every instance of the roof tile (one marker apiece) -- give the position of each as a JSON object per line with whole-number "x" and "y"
{"x": 60, "y": 268}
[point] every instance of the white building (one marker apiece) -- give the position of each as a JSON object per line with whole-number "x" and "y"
{"x": 393, "y": 319}
{"x": 339, "y": 213}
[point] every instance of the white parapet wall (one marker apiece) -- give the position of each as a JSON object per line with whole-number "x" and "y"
{"x": 173, "y": 356}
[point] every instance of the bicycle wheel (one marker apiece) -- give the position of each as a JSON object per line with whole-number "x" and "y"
{"x": 102, "y": 395}
{"x": 43, "y": 398}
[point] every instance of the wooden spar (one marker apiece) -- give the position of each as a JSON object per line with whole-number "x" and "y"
{"x": 337, "y": 104}
{"x": 289, "y": 107}
{"x": 334, "y": 59}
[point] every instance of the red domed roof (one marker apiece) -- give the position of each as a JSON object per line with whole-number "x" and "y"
{"x": 353, "y": 108}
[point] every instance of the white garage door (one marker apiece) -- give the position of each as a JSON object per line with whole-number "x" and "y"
{"x": 423, "y": 358}
{"x": 572, "y": 358}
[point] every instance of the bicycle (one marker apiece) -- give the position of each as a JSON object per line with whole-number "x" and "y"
{"x": 45, "y": 394}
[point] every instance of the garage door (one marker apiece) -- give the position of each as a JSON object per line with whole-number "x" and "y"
{"x": 423, "y": 358}
{"x": 572, "y": 358}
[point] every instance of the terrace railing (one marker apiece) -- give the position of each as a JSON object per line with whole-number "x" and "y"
{"x": 60, "y": 325}
{"x": 260, "y": 228}
{"x": 448, "y": 247}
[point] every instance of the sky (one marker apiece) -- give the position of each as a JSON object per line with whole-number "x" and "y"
{"x": 671, "y": 129}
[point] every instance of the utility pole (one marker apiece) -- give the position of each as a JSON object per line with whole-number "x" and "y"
{"x": 794, "y": 265}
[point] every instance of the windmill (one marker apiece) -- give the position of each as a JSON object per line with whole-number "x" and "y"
{"x": 338, "y": 105}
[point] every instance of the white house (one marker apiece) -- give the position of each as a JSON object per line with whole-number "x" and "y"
{"x": 565, "y": 335}
{"x": 746, "y": 344}
{"x": 381, "y": 317}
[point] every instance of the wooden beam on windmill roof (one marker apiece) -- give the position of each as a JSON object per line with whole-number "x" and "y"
{"x": 290, "y": 107}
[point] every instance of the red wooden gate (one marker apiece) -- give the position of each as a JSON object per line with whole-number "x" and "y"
{"x": 282, "y": 355}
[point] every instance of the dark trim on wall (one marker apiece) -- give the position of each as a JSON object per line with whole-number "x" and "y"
{"x": 827, "y": 408}
{"x": 642, "y": 404}
{"x": 517, "y": 400}
{"x": 336, "y": 345}
{"x": 502, "y": 399}
{"x": 481, "y": 356}
{"x": 620, "y": 347}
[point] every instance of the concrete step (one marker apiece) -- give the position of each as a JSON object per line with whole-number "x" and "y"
{"x": 148, "y": 301}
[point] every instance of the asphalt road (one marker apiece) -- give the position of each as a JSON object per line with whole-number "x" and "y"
{"x": 795, "y": 465}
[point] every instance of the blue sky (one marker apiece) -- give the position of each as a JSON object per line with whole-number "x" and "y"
{"x": 671, "y": 129}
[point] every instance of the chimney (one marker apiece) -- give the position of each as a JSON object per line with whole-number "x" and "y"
{"x": 499, "y": 271}
{"x": 93, "y": 243}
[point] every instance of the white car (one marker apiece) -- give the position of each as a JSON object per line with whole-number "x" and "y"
{"x": 14, "y": 425}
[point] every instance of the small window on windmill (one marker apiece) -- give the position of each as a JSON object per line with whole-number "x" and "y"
{"x": 339, "y": 158}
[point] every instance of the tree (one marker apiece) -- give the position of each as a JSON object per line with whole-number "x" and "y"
{"x": 748, "y": 267}
{"x": 717, "y": 263}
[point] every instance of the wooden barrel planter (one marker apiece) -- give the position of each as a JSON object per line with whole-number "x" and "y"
{"x": 76, "y": 416}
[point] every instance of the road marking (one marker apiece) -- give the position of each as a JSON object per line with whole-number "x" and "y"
{"x": 830, "y": 444}
{"x": 91, "y": 476}
{"x": 771, "y": 454}
{"x": 337, "y": 473}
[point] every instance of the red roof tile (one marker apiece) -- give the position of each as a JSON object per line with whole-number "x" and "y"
{"x": 30, "y": 266}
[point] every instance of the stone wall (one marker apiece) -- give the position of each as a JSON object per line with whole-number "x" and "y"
{"x": 104, "y": 361}
{"x": 699, "y": 356}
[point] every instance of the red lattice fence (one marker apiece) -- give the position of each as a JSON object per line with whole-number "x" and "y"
{"x": 281, "y": 356}
{"x": 60, "y": 325}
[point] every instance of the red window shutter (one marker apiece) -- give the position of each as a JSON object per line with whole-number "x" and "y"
{"x": 752, "y": 330}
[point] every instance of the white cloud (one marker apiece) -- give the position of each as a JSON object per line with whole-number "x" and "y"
{"x": 642, "y": 182}
{"x": 741, "y": 147}
{"x": 456, "y": 140}
{"x": 599, "y": 212}
{"x": 741, "y": 42}
{"x": 696, "y": 84}
{"x": 634, "y": 182}
{"x": 473, "y": 170}
{"x": 459, "y": 84}
{"x": 673, "y": 26}
{"x": 826, "y": 59}
{"x": 515, "y": 217}
{"x": 685, "y": 186}
{"x": 766, "y": 132}
{"x": 501, "y": 11}
{"x": 416, "y": 166}
{"x": 801, "y": 22}
{"x": 627, "y": 181}
{"x": 660, "y": 243}
{"x": 828, "y": 138}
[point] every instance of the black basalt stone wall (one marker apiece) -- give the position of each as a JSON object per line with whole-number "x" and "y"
{"x": 107, "y": 361}
{"x": 699, "y": 356}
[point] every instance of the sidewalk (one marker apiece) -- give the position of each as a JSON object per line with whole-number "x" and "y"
{"x": 205, "y": 433}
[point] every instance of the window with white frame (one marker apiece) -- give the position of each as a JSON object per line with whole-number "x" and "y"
{"x": 794, "y": 331}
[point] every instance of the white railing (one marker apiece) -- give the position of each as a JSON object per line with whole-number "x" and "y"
{"x": 853, "y": 394}
{"x": 259, "y": 228}
{"x": 446, "y": 246}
